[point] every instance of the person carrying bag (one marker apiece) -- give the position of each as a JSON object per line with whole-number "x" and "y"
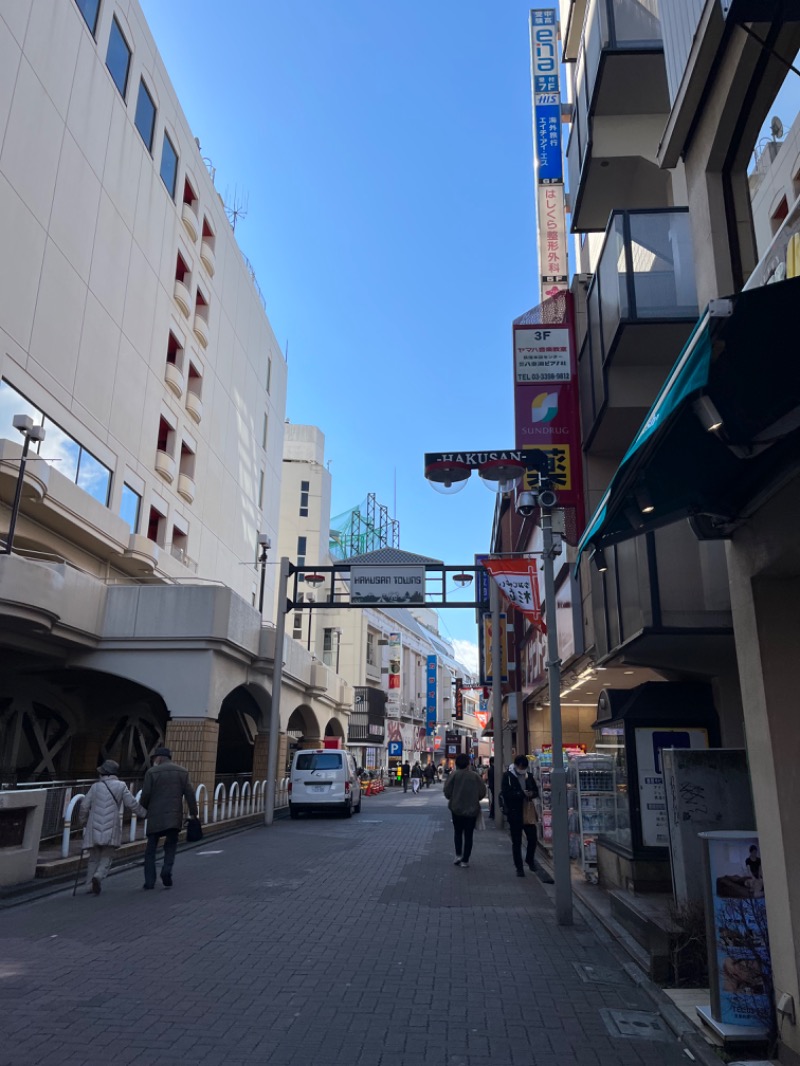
{"x": 518, "y": 792}
{"x": 100, "y": 816}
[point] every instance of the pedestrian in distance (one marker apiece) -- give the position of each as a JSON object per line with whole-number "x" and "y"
{"x": 430, "y": 774}
{"x": 100, "y": 816}
{"x": 166, "y": 786}
{"x": 405, "y": 773}
{"x": 518, "y": 792}
{"x": 416, "y": 777}
{"x": 464, "y": 791}
{"x": 490, "y": 786}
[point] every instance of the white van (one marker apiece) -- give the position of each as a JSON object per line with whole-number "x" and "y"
{"x": 324, "y": 779}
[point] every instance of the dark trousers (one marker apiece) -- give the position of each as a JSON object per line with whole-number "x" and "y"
{"x": 516, "y": 828}
{"x": 463, "y": 831}
{"x": 170, "y": 847}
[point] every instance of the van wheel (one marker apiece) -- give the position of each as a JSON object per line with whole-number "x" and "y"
{"x": 348, "y": 809}
{"x": 293, "y": 812}
{"x": 357, "y": 810}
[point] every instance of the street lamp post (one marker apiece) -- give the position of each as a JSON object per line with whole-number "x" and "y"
{"x": 277, "y": 681}
{"x": 264, "y": 544}
{"x": 24, "y": 423}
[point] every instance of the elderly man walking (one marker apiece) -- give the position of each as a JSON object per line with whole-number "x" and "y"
{"x": 166, "y": 786}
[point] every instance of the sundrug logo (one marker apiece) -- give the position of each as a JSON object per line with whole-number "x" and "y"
{"x": 544, "y": 407}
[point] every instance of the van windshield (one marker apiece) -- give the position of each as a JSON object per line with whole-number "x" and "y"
{"x": 327, "y": 760}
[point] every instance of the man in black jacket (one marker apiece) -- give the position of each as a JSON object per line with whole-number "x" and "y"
{"x": 166, "y": 786}
{"x": 518, "y": 791}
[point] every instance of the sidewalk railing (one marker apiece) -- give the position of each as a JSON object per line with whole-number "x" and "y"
{"x": 230, "y": 801}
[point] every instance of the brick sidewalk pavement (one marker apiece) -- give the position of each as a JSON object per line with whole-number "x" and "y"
{"x": 321, "y": 942}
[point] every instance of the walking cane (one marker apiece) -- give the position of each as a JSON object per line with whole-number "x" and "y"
{"x": 77, "y": 873}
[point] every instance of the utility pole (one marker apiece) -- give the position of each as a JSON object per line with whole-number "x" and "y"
{"x": 277, "y": 681}
{"x": 558, "y": 776}
{"x": 497, "y": 700}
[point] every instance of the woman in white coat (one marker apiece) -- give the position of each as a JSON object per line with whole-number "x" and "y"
{"x": 100, "y": 815}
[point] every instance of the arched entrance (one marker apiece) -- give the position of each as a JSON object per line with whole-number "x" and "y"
{"x": 240, "y": 719}
{"x": 334, "y": 728}
{"x": 302, "y": 731}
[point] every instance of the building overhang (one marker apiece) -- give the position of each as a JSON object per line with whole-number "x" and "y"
{"x": 738, "y": 368}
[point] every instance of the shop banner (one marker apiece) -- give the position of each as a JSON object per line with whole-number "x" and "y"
{"x": 739, "y": 959}
{"x": 517, "y": 580}
{"x": 544, "y": 50}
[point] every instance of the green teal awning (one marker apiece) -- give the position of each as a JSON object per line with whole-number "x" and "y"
{"x": 743, "y": 357}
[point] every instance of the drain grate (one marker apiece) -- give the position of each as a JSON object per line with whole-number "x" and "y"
{"x": 601, "y": 975}
{"x": 635, "y": 1024}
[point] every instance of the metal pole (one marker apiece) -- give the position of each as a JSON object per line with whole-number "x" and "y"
{"x": 558, "y": 777}
{"x": 12, "y": 525}
{"x": 497, "y": 701}
{"x": 263, "y": 561}
{"x": 277, "y": 680}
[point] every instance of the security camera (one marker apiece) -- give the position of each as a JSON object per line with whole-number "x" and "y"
{"x": 526, "y": 504}
{"x": 547, "y": 498}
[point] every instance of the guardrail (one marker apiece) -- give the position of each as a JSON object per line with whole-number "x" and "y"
{"x": 229, "y": 802}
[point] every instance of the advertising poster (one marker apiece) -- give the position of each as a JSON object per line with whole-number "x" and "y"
{"x": 652, "y": 793}
{"x": 741, "y": 968}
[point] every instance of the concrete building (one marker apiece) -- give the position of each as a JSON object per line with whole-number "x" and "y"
{"x": 689, "y": 390}
{"x": 133, "y": 331}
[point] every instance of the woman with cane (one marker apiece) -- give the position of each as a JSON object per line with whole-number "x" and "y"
{"x": 100, "y": 814}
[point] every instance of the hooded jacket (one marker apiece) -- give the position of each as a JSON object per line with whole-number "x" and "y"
{"x": 101, "y": 809}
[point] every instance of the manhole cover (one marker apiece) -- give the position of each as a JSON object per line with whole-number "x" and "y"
{"x": 601, "y": 975}
{"x": 635, "y": 1024}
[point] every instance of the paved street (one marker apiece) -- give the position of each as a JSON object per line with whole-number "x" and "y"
{"x": 319, "y": 942}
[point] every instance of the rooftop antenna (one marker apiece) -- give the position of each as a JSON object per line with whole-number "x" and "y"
{"x": 235, "y": 206}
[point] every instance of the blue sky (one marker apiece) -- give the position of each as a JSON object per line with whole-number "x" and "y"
{"x": 386, "y": 156}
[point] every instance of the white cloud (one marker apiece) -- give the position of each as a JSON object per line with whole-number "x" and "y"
{"x": 467, "y": 654}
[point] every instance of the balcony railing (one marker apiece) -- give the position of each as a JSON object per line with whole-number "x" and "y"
{"x": 640, "y": 306}
{"x": 619, "y": 72}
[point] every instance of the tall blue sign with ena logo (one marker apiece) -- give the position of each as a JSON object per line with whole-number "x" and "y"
{"x": 430, "y": 695}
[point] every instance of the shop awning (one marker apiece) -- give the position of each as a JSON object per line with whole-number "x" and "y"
{"x": 740, "y": 368}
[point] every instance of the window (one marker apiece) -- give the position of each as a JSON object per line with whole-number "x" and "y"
{"x": 301, "y": 556}
{"x": 269, "y": 373}
{"x": 156, "y": 524}
{"x": 182, "y": 272}
{"x": 189, "y": 195}
{"x": 778, "y": 215}
{"x": 187, "y": 460}
{"x": 174, "y": 351}
{"x": 304, "y": 487}
{"x": 195, "y": 381}
{"x": 261, "y": 490}
{"x": 180, "y": 541}
{"x": 65, "y": 454}
{"x": 169, "y": 165}
{"x": 145, "y": 116}
{"x": 118, "y": 58}
{"x": 265, "y": 431}
{"x": 327, "y": 647}
{"x": 372, "y": 658}
{"x": 201, "y": 306}
{"x": 319, "y": 760}
{"x": 297, "y": 621}
{"x": 130, "y": 508}
{"x": 166, "y": 436}
{"x": 89, "y": 9}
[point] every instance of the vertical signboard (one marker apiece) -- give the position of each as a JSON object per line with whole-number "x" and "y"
{"x": 459, "y": 700}
{"x": 431, "y": 668}
{"x": 546, "y": 408}
{"x": 548, "y": 158}
{"x": 393, "y": 656}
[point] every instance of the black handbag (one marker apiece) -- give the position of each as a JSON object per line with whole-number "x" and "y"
{"x": 194, "y": 831}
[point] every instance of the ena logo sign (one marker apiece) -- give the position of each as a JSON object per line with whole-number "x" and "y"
{"x": 544, "y": 50}
{"x": 544, "y": 407}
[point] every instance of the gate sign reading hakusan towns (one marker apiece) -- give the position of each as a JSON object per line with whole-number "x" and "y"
{"x": 394, "y": 586}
